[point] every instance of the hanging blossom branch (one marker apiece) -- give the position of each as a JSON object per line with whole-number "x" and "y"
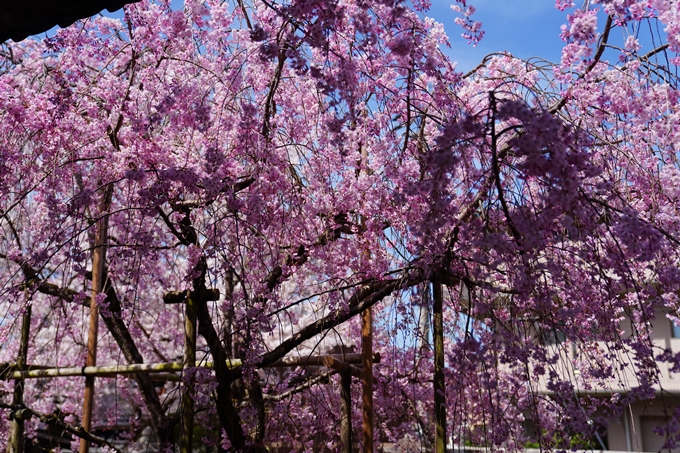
{"x": 120, "y": 332}
{"x": 26, "y": 413}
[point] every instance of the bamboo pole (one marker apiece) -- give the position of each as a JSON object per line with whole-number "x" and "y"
{"x": 346, "y": 411}
{"x": 186, "y": 437}
{"x": 439, "y": 388}
{"x": 101, "y": 371}
{"x": 15, "y": 443}
{"x": 367, "y": 378}
{"x": 39, "y": 371}
{"x": 366, "y": 337}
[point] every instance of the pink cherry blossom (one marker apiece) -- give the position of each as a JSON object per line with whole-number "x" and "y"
{"x": 312, "y": 159}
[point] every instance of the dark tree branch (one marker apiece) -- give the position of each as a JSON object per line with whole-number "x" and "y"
{"x": 235, "y": 188}
{"x": 113, "y": 319}
{"x": 227, "y": 413}
{"x": 172, "y": 228}
{"x": 365, "y": 297}
{"x": 301, "y": 255}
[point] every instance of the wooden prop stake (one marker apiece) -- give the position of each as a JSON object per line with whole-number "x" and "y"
{"x": 98, "y": 263}
{"x": 15, "y": 442}
{"x": 367, "y": 378}
{"x": 342, "y": 366}
{"x": 186, "y": 439}
{"x": 439, "y": 388}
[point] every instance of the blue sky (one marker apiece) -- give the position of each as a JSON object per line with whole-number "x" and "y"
{"x": 525, "y": 28}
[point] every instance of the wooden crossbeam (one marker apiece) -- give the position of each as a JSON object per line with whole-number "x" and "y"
{"x": 342, "y": 366}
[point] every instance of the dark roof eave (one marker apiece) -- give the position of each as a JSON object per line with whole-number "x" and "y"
{"x": 21, "y": 19}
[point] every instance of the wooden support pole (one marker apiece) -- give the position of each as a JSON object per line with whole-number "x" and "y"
{"x": 367, "y": 378}
{"x": 186, "y": 437}
{"x": 98, "y": 264}
{"x": 88, "y": 401}
{"x": 439, "y": 387}
{"x": 346, "y": 411}
{"x": 366, "y": 339}
{"x": 15, "y": 443}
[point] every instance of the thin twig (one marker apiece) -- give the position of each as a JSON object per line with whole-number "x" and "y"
{"x": 298, "y": 388}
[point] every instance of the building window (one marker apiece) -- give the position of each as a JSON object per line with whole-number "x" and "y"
{"x": 676, "y": 330}
{"x": 554, "y": 337}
